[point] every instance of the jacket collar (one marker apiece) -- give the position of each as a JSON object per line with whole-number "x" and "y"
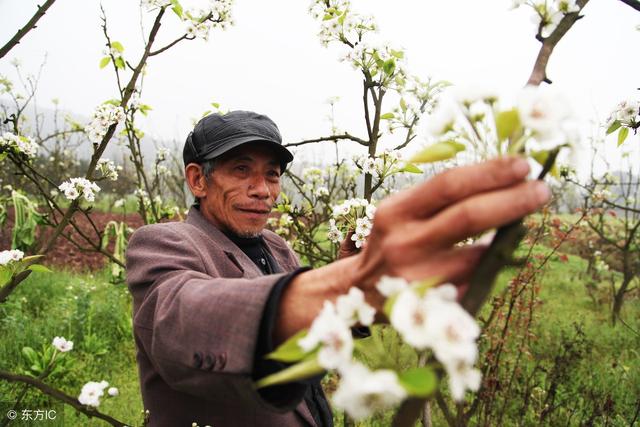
{"x": 233, "y": 252}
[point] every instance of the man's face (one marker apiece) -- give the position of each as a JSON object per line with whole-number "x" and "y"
{"x": 242, "y": 190}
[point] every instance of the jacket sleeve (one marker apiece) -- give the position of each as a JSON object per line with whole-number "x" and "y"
{"x": 198, "y": 330}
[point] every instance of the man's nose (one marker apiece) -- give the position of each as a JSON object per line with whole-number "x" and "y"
{"x": 258, "y": 188}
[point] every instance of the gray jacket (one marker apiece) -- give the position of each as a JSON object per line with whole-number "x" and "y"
{"x": 197, "y": 305}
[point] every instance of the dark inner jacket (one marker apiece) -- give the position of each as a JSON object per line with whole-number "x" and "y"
{"x": 255, "y": 249}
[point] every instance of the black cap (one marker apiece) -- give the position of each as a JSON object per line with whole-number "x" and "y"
{"x": 216, "y": 134}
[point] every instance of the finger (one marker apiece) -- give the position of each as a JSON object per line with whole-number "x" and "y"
{"x": 425, "y": 199}
{"x": 479, "y": 213}
{"x": 454, "y": 265}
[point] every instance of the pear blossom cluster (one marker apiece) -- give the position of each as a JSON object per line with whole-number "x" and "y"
{"x": 104, "y": 116}
{"x": 351, "y": 215}
{"x": 10, "y": 256}
{"x": 162, "y": 154}
{"x": 548, "y": 13}
{"x": 384, "y": 164}
{"x": 62, "y": 345}
{"x": 466, "y": 114}
{"x": 200, "y": 22}
{"x": 626, "y": 113}
{"x": 18, "y": 144}
{"x": 108, "y": 169}
{"x": 281, "y": 225}
{"x": 79, "y": 187}
{"x": 437, "y": 322}
{"x": 338, "y": 22}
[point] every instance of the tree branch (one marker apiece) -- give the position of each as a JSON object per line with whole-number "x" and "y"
{"x": 632, "y": 3}
{"x": 333, "y": 138}
{"x": 60, "y": 395}
{"x": 539, "y": 72}
{"x": 24, "y": 30}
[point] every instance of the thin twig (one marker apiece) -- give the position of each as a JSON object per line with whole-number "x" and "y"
{"x": 333, "y": 138}
{"x": 62, "y": 396}
{"x": 28, "y": 27}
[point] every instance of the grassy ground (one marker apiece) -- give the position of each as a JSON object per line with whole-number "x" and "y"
{"x": 96, "y": 316}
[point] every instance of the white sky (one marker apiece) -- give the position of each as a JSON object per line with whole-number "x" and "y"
{"x": 272, "y": 62}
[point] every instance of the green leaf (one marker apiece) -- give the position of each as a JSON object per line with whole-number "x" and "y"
{"x": 177, "y": 8}
{"x": 120, "y": 63}
{"x": 289, "y": 351}
{"x": 5, "y": 275}
{"x": 39, "y": 268}
{"x": 307, "y": 369}
{"x": 419, "y": 382}
{"x": 397, "y": 53}
{"x": 622, "y": 135}
{"x": 439, "y": 151}
{"x": 389, "y": 66}
{"x": 614, "y": 127}
{"x": 30, "y": 354}
{"x": 403, "y": 105}
{"x": 387, "y": 116}
{"x": 541, "y": 158}
{"x": 507, "y": 123}
{"x": 117, "y": 46}
{"x": 105, "y": 61}
{"x": 411, "y": 168}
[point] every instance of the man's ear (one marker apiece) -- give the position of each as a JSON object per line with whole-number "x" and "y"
{"x": 196, "y": 180}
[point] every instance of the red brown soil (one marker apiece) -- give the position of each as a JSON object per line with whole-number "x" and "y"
{"x": 67, "y": 256}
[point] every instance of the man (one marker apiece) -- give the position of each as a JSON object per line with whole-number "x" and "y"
{"x": 215, "y": 293}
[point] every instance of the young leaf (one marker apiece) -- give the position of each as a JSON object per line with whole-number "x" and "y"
{"x": 507, "y": 123}
{"x": 403, "y": 105}
{"x": 541, "y": 157}
{"x": 397, "y": 53}
{"x": 419, "y": 382}
{"x": 105, "y": 61}
{"x": 389, "y": 66}
{"x": 289, "y": 351}
{"x": 307, "y": 369}
{"x": 622, "y": 135}
{"x": 117, "y": 46}
{"x": 39, "y": 268}
{"x": 411, "y": 168}
{"x": 387, "y": 116}
{"x": 439, "y": 151}
{"x": 5, "y": 275}
{"x": 177, "y": 8}
{"x": 614, "y": 127}
{"x": 120, "y": 62}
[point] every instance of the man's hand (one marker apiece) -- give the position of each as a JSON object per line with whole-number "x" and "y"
{"x": 415, "y": 233}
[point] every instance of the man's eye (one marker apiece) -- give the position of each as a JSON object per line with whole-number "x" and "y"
{"x": 274, "y": 174}
{"x": 241, "y": 168}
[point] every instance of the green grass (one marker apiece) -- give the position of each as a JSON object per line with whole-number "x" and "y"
{"x": 92, "y": 313}
{"x": 96, "y": 316}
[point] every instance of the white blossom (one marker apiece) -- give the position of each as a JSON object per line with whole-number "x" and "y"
{"x": 542, "y": 110}
{"x": 62, "y": 345}
{"x": 333, "y": 334}
{"x": 12, "y": 255}
{"x": 353, "y": 308}
{"x": 77, "y": 187}
{"x": 388, "y": 286}
{"x": 103, "y": 117}
{"x": 108, "y": 169}
{"x": 462, "y": 376}
{"x": 113, "y": 391}
{"x": 18, "y": 144}
{"x": 334, "y": 234}
{"x": 91, "y": 393}
{"x": 362, "y": 392}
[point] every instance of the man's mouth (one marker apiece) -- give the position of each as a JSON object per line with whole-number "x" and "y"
{"x": 256, "y": 211}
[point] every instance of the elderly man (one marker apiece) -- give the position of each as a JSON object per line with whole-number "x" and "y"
{"x": 214, "y": 294}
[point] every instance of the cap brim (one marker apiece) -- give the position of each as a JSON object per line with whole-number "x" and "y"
{"x": 283, "y": 153}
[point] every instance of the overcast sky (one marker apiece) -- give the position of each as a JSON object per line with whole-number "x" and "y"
{"x": 272, "y": 62}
